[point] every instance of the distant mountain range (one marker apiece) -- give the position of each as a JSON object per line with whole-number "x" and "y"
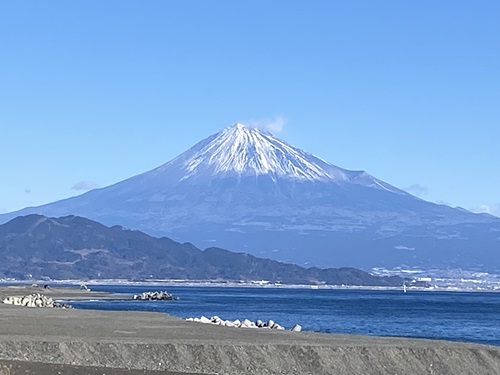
{"x": 73, "y": 247}
{"x": 247, "y": 190}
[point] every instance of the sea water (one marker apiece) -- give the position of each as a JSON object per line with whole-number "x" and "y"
{"x": 457, "y": 316}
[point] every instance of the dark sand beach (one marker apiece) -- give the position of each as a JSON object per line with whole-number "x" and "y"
{"x": 45, "y": 341}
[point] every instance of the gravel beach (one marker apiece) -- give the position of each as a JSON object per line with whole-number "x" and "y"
{"x": 110, "y": 342}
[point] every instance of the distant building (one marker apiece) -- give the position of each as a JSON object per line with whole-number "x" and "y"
{"x": 424, "y": 282}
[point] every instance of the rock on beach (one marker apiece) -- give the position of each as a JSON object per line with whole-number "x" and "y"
{"x": 155, "y": 296}
{"x": 246, "y": 323}
{"x": 34, "y": 300}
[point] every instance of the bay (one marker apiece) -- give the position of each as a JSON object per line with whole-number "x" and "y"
{"x": 456, "y": 316}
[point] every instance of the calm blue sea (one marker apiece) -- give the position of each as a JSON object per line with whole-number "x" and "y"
{"x": 457, "y": 316}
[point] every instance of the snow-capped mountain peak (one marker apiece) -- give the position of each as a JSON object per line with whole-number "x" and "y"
{"x": 247, "y": 151}
{"x": 245, "y": 189}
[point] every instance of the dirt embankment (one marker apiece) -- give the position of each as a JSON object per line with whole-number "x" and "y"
{"x": 36, "y": 368}
{"x": 259, "y": 359}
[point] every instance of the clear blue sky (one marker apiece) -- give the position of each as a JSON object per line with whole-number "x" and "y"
{"x": 93, "y": 92}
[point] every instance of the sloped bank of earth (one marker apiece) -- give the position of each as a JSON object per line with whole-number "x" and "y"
{"x": 158, "y": 342}
{"x": 37, "y": 368}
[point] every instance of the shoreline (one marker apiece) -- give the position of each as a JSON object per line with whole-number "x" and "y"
{"x": 211, "y": 283}
{"x": 150, "y": 341}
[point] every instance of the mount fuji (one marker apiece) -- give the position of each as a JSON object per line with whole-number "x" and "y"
{"x": 246, "y": 190}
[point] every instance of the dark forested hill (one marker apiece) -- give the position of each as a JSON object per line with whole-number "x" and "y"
{"x": 73, "y": 247}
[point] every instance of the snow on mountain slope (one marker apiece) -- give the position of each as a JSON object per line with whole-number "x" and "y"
{"x": 243, "y": 151}
{"x": 250, "y": 151}
{"x": 247, "y": 190}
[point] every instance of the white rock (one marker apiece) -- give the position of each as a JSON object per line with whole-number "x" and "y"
{"x": 204, "y": 319}
{"x": 248, "y": 324}
{"x": 216, "y": 320}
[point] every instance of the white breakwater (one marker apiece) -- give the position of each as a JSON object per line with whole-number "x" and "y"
{"x": 246, "y": 323}
{"x": 34, "y": 300}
